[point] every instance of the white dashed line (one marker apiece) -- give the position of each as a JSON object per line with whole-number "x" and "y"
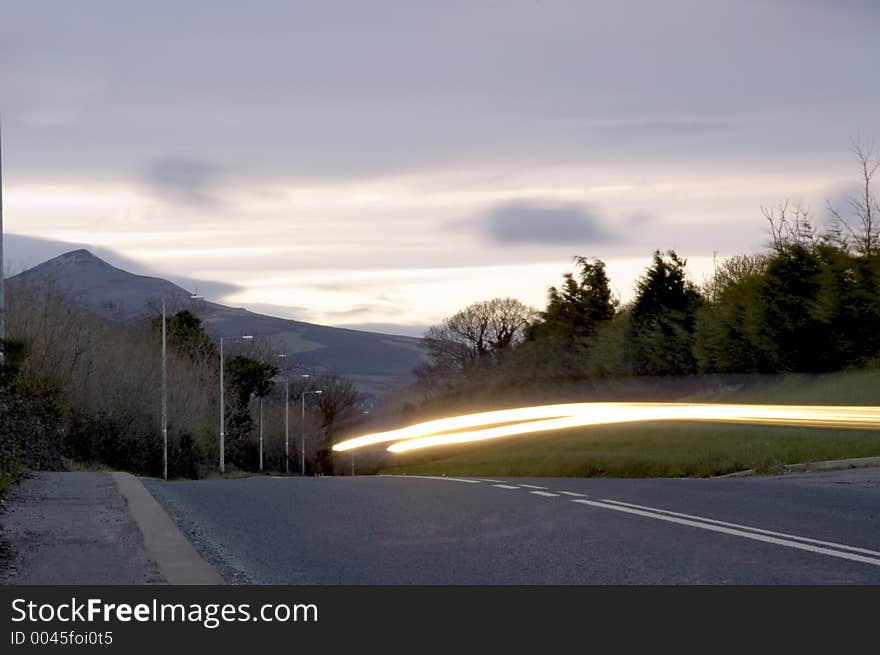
{"x": 544, "y": 493}
{"x": 483, "y": 480}
{"x": 438, "y": 477}
{"x": 505, "y": 486}
{"x": 737, "y": 533}
{"x": 571, "y": 493}
{"x": 531, "y": 486}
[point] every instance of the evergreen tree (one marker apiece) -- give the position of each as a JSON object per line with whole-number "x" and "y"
{"x": 664, "y": 316}
{"x": 579, "y": 306}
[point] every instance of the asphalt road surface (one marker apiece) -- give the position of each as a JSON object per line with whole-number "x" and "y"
{"x": 798, "y": 529}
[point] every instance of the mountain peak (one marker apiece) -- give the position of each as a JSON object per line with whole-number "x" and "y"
{"x": 79, "y": 256}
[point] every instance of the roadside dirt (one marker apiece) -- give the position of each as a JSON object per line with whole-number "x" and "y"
{"x": 71, "y": 528}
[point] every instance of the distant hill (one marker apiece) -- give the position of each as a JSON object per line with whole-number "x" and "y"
{"x": 375, "y": 362}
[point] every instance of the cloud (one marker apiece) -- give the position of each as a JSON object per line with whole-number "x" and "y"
{"x": 364, "y": 309}
{"x": 183, "y": 180}
{"x": 401, "y": 329}
{"x": 547, "y": 224}
{"x": 666, "y": 127}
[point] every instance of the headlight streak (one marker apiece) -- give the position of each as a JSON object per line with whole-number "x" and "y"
{"x": 469, "y": 428}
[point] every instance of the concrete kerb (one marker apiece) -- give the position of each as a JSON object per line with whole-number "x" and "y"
{"x": 177, "y": 560}
{"x": 815, "y": 467}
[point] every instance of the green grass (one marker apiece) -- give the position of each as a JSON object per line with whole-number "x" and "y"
{"x": 844, "y": 388}
{"x": 676, "y": 449}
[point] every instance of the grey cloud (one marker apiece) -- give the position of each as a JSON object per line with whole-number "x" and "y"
{"x": 184, "y": 180}
{"x": 533, "y": 223}
{"x": 357, "y": 310}
{"x": 293, "y": 312}
{"x": 391, "y": 95}
{"x": 404, "y": 330}
{"x": 640, "y": 219}
{"x": 667, "y": 128}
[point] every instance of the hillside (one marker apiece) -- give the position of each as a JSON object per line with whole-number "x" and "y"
{"x": 375, "y": 362}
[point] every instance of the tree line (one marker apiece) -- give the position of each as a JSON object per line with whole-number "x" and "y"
{"x": 809, "y": 303}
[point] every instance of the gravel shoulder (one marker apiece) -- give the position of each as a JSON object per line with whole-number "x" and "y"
{"x": 71, "y": 528}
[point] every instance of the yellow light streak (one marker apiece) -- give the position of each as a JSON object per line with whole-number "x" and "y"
{"x": 485, "y": 426}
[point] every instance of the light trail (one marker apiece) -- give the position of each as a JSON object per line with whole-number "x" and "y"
{"x": 485, "y": 426}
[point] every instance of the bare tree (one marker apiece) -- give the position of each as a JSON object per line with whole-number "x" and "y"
{"x": 476, "y": 333}
{"x": 790, "y": 225}
{"x": 483, "y": 327}
{"x": 863, "y": 226}
{"x": 338, "y": 402}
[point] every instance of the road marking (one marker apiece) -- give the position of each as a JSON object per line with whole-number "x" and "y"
{"x": 544, "y": 493}
{"x": 571, "y": 493}
{"x": 437, "y": 477}
{"x": 731, "y": 531}
{"x": 505, "y": 486}
{"x": 483, "y": 480}
{"x": 747, "y": 527}
{"x": 531, "y": 486}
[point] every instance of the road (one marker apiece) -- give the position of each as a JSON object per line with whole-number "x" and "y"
{"x": 797, "y": 529}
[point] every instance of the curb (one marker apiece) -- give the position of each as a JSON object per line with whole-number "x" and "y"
{"x": 178, "y": 561}
{"x": 812, "y": 467}
{"x": 832, "y": 465}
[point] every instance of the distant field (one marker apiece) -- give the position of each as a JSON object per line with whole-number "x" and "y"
{"x": 673, "y": 449}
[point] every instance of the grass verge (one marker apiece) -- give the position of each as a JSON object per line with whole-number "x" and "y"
{"x": 648, "y": 450}
{"x": 674, "y": 449}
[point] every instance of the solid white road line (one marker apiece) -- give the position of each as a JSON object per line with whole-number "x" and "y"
{"x": 747, "y": 527}
{"x": 737, "y": 533}
{"x": 544, "y": 493}
{"x": 571, "y": 493}
{"x": 438, "y": 477}
{"x": 484, "y": 480}
{"x": 531, "y": 486}
{"x": 505, "y": 486}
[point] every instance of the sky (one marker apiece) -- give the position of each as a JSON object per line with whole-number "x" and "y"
{"x": 381, "y": 165}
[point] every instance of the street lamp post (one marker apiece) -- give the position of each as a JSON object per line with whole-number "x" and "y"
{"x": 164, "y": 397}
{"x": 287, "y": 417}
{"x": 317, "y": 392}
{"x": 223, "y": 403}
{"x": 261, "y": 434}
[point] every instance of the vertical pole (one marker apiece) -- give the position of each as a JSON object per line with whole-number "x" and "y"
{"x": 261, "y": 434}
{"x": 287, "y": 425}
{"x": 164, "y": 398}
{"x": 304, "y": 433}
{"x": 222, "y": 413}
